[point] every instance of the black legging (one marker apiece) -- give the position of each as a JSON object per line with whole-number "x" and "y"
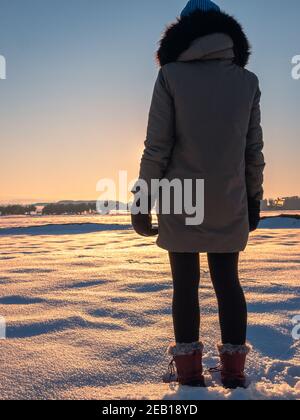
{"x": 230, "y": 295}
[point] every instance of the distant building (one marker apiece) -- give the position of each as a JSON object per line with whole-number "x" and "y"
{"x": 281, "y": 203}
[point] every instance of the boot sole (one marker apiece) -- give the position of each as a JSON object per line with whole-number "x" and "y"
{"x": 234, "y": 385}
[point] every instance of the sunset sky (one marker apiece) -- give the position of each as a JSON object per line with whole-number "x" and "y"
{"x": 80, "y": 75}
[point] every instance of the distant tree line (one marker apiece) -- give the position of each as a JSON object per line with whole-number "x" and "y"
{"x": 78, "y": 208}
{"x": 286, "y": 203}
{"x": 62, "y": 208}
{"x": 16, "y": 210}
{"x": 69, "y": 208}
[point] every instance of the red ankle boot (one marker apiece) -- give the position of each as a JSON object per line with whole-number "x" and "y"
{"x": 188, "y": 362}
{"x": 233, "y": 361}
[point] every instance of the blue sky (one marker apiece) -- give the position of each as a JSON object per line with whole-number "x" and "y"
{"x": 80, "y": 75}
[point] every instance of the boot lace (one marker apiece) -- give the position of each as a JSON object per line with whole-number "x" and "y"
{"x": 172, "y": 370}
{"x": 215, "y": 369}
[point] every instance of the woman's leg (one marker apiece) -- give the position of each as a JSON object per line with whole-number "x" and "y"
{"x": 186, "y": 311}
{"x": 231, "y": 298}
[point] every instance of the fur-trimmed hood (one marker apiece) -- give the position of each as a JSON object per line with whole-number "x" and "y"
{"x": 181, "y": 36}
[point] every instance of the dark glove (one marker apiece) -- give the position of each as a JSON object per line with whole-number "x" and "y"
{"x": 254, "y": 213}
{"x": 142, "y": 223}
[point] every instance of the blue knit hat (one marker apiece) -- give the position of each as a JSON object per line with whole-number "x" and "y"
{"x": 203, "y": 5}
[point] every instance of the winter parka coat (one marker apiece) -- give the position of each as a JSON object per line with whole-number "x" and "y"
{"x": 205, "y": 123}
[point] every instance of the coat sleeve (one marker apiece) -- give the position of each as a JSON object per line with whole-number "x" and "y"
{"x": 160, "y": 133}
{"x": 255, "y": 162}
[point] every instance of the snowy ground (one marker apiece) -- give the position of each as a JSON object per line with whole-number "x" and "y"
{"x": 88, "y": 313}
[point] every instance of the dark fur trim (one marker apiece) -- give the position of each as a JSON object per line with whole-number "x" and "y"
{"x": 180, "y": 35}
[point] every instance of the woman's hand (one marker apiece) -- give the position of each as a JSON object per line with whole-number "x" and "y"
{"x": 142, "y": 224}
{"x": 254, "y": 213}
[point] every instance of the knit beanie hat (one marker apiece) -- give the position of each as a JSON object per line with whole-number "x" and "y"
{"x": 202, "y": 5}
